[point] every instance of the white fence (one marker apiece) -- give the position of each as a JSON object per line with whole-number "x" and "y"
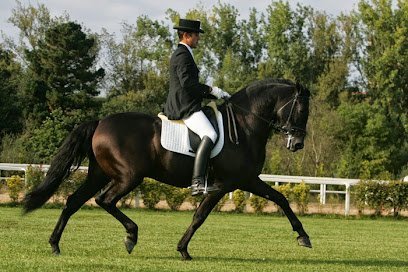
{"x": 277, "y": 179}
{"x": 322, "y": 181}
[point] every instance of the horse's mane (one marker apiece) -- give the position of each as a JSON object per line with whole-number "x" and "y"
{"x": 270, "y": 83}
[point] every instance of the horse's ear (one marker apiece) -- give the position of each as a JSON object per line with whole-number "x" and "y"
{"x": 301, "y": 90}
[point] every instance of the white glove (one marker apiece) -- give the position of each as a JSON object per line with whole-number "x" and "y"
{"x": 218, "y": 93}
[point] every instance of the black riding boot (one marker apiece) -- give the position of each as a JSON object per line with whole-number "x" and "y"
{"x": 198, "y": 185}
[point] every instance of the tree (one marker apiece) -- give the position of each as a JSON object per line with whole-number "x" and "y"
{"x": 10, "y": 111}
{"x": 224, "y": 32}
{"x": 33, "y": 22}
{"x": 375, "y": 128}
{"x": 238, "y": 60}
{"x": 138, "y": 76}
{"x": 63, "y": 66}
{"x": 144, "y": 48}
{"x": 287, "y": 49}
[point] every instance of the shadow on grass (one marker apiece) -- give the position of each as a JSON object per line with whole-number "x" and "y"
{"x": 307, "y": 262}
{"x": 310, "y": 262}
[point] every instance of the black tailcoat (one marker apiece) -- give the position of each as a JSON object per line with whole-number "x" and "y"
{"x": 186, "y": 92}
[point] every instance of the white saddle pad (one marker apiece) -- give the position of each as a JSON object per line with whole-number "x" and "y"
{"x": 174, "y": 135}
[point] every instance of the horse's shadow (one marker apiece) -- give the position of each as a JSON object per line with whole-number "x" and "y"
{"x": 307, "y": 262}
{"x": 345, "y": 262}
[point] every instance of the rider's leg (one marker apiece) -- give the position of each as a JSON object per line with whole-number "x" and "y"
{"x": 200, "y": 125}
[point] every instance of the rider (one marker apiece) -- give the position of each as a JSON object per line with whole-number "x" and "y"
{"x": 185, "y": 97}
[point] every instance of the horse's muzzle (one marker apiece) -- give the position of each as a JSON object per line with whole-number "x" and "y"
{"x": 294, "y": 143}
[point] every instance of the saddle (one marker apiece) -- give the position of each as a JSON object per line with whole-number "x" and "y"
{"x": 177, "y": 137}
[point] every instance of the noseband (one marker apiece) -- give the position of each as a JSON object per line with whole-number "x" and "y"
{"x": 286, "y": 128}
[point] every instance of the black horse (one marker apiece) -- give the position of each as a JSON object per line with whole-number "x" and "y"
{"x": 124, "y": 148}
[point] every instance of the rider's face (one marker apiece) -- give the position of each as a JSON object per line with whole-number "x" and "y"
{"x": 192, "y": 39}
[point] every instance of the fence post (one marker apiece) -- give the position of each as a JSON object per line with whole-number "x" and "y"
{"x": 323, "y": 194}
{"x": 347, "y": 201}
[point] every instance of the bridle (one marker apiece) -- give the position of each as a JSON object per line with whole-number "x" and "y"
{"x": 286, "y": 128}
{"x": 291, "y": 130}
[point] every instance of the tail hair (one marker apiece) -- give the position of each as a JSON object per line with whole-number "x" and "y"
{"x": 73, "y": 151}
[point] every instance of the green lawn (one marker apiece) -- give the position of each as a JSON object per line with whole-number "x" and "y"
{"x": 93, "y": 241}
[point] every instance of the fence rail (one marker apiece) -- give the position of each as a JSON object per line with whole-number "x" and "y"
{"x": 277, "y": 179}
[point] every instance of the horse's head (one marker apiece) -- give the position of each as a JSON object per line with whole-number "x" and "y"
{"x": 292, "y": 114}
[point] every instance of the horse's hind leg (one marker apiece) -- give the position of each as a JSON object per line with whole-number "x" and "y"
{"x": 200, "y": 215}
{"x": 108, "y": 199}
{"x": 95, "y": 181}
{"x": 260, "y": 188}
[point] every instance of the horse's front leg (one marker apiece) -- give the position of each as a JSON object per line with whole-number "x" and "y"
{"x": 260, "y": 188}
{"x": 200, "y": 215}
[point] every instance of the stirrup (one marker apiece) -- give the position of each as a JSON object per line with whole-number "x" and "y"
{"x": 198, "y": 188}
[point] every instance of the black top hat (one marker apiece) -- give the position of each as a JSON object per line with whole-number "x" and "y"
{"x": 189, "y": 26}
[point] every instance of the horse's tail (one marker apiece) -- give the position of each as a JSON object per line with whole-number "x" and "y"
{"x": 75, "y": 148}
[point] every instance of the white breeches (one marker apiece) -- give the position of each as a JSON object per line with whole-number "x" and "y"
{"x": 200, "y": 125}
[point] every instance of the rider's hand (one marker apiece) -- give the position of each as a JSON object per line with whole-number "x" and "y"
{"x": 218, "y": 93}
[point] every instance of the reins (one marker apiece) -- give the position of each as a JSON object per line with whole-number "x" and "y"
{"x": 279, "y": 128}
{"x": 231, "y": 119}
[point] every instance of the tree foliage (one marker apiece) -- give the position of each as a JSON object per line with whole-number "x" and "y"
{"x": 10, "y": 107}
{"x": 63, "y": 67}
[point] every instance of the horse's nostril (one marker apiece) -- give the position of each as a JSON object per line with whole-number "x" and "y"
{"x": 299, "y": 146}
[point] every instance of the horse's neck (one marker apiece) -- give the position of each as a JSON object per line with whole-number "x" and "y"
{"x": 254, "y": 119}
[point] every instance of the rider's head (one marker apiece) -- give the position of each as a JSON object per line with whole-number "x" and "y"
{"x": 189, "y": 32}
{"x": 190, "y": 38}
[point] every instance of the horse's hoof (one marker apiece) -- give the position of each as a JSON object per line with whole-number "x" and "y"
{"x": 184, "y": 255}
{"x": 304, "y": 241}
{"x": 55, "y": 250}
{"x": 129, "y": 244}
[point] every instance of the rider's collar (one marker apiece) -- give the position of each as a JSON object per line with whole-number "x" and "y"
{"x": 188, "y": 47}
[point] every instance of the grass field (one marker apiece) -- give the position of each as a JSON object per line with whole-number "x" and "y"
{"x": 93, "y": 241}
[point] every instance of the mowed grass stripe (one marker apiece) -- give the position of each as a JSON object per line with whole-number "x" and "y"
{"x": 93, "y": 241}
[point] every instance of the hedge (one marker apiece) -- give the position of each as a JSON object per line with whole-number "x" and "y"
{"x": 382, "y": 196}
{"x": 379, "y": 196}
{"x": 15, "y": 185}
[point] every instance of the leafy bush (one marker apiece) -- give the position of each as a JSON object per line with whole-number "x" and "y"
{"x": 371, "y": 193}
{"x": 239, "y": 200}
{"x": 151, "y": 192}
{"x": 15, "y": 185}
{"x": 397, "y": 197}
{"x": 34, "y": 176}
{"x": 221, "y": 203}
{"x": 285, "y": 190}
{"x": 126, "y": 201}
{"x": 301, "y": 196}
{"x": 175, "y": 196}
{"x": 298, "y": 193}
{"x": 258, "y": 203}
{"x": 195, "y": 200}
{"x": 70, "y": 185}
{"x": 382, "y": 195}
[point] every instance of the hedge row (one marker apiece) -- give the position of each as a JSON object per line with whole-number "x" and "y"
{"x": 382, "y": 196}
{"x": 152, "y": 192}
